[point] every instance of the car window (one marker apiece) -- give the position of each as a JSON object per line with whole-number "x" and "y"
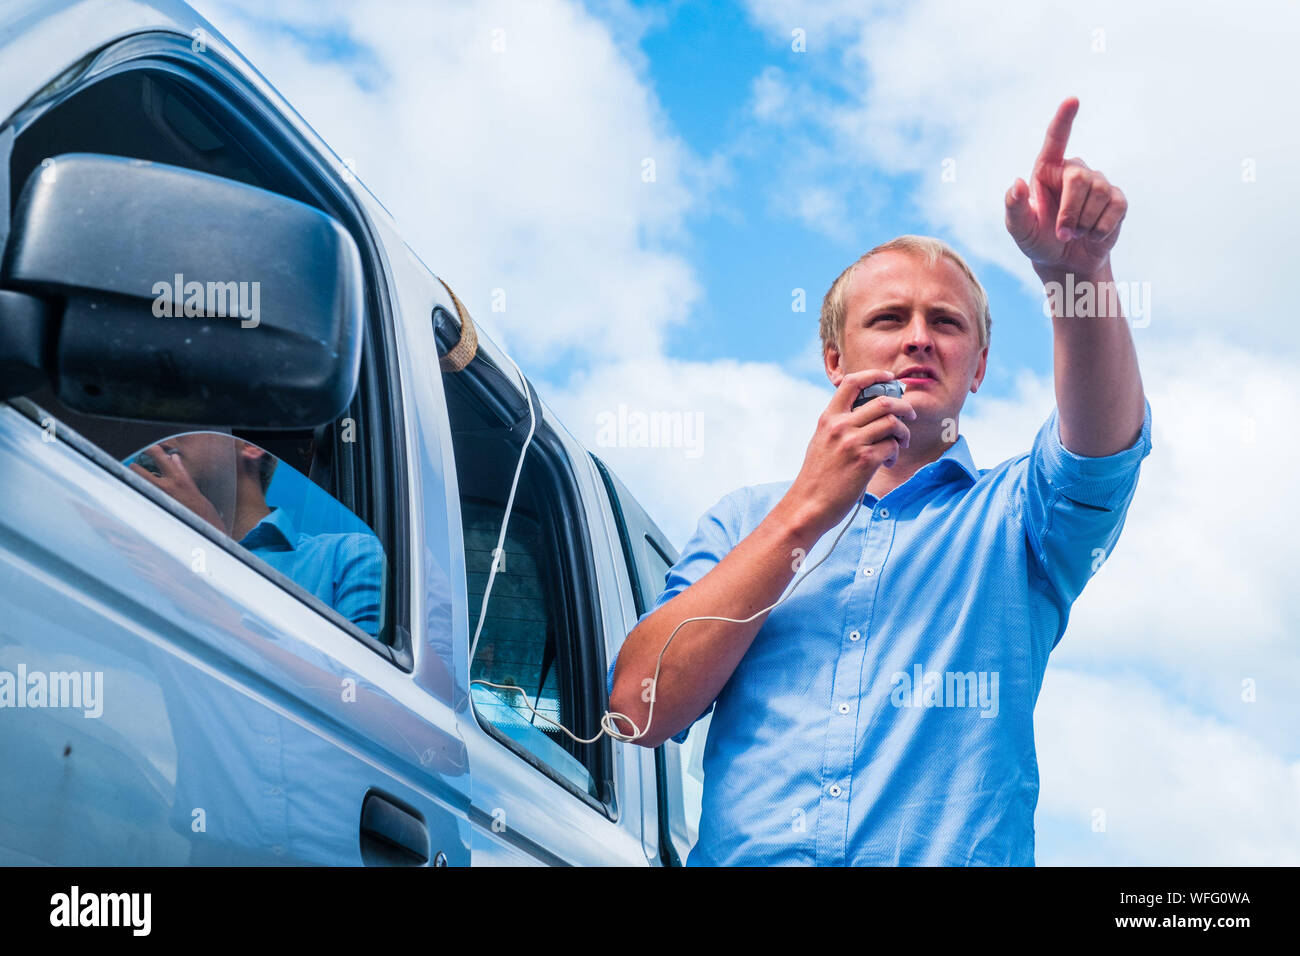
{"x": 276, "y": 513}
{"x": 538, "y": 634}
{"x": 518, "y": 644}
{"x": 335, "y": 502}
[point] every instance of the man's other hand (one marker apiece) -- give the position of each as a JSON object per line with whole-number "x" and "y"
{"x": 1067, "y": 218}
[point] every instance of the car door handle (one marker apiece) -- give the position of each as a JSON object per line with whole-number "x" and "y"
{"x": 392, "y": 835}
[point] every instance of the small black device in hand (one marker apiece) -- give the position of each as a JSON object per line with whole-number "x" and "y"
{"x": 894, "y": 389}
{"x": 146, "y": 461}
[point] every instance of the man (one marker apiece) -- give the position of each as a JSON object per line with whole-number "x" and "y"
{"x": 224, "y": 481}
{"x": 883, "y": 713}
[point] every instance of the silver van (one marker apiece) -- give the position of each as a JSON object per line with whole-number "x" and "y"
{"x": 254, "y": 460}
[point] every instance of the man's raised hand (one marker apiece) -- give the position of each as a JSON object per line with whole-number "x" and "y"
{"x": 1067, "y": 218}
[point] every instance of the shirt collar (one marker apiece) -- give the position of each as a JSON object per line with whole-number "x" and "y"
{"x": 955, "y": 461}
{"x": 959, "y": 454}
{"x": 275, "y": 530}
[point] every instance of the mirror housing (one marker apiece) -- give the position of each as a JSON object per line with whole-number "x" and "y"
{"x": 170, "y": 295}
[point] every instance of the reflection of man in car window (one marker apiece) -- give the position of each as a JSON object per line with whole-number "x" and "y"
{"x": 224, "y": 480}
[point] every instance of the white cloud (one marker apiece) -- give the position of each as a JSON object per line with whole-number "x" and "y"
{"x": 820, "y": 210}
{"x": 1170, "y": 109}
{"x": 1175, "y": 786}
{"x": 511, "y": 143}
{"x": 1200, "y": 591}
{"x": 771, "y": 95}
{"x": 755, "y": 421}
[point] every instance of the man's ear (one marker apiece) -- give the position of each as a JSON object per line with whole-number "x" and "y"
{"x": 250, "y": 457}
{"x": 979, "y": 371}
{"x": 834, "y": 364}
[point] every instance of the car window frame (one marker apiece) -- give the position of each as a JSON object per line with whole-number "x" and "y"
{"x": 584, "y": 672}
{"x": 668, "y": 768}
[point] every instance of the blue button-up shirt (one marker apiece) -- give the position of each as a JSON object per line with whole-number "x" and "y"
{"x": 345, "y": 570}
{"x": 883, "y": 714}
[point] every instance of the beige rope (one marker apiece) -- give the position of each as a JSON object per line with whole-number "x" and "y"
{"x": 466, "y": 347}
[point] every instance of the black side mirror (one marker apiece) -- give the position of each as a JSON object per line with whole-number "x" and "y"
{"x": 152, "y": 292}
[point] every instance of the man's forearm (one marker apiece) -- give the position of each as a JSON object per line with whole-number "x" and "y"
{"x": 704, "y": 654}
{"x": 1099, "y": 394}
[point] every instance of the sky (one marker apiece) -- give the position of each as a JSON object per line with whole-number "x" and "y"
{"x": 652, "y": 191}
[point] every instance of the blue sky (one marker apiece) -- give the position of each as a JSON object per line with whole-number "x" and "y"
{"x": 702, "y": 61}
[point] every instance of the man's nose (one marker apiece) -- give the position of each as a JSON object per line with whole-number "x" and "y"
{"x": 918, "y": 334}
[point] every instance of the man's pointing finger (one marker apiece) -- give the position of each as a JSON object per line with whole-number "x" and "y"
{"x": 1058, "y": 134}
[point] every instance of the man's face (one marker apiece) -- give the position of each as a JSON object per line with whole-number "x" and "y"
{"x": 210, "y": 459}
{"x": 901, "y": 313}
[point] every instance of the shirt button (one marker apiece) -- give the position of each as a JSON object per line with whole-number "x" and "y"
{"x": 884, "y": 512}
{"x": 844, "y": 708}
{"x": 835, "y": 790}
{"x": 868, "y": 571}
{"x": 854, "y": 635}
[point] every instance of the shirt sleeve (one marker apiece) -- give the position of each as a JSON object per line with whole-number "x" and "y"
{"x": 1075, "y": 507}
{"x": 716, "y": 534}
{"x": 359, "y": 580}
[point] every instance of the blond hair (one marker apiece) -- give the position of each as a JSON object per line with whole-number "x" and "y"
{"x": 834, "y": 306}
